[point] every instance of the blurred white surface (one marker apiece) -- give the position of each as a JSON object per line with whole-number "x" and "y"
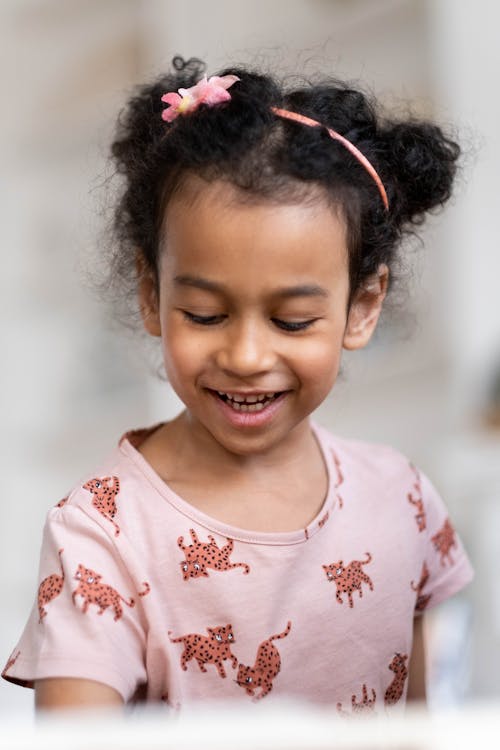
{"x": 294, "y": 727}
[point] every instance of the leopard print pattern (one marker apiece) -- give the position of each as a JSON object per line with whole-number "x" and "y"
{"x": 104, "y": 493}
{"x": 444, "y": 540}
{"x": 348, "y": 579}
{"x": 267, "y": 666}
{"x": 10, "y": 662}
{"x": 365, "y": 706}
{"x": 340, "y": 478}
{"x": 49, "y": 588}
{"x": 324, "y": 519}
{"x": 200, "y": 556}
{"x": 395, "y": 690}
{"x": 417, "y": 500}
{"x": 62, "y": 502}
{"x": 92, "y": 591}
{"x": 212, "y": 650}
{"x": 422, "y": 599}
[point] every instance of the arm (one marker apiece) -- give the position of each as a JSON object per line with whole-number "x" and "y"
{"x": 62, "y": 692}
{"x": 416, "y": 680}
{"x": 102, "y": 656}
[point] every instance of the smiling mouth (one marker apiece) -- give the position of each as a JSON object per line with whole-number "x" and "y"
{"x": 248, "y": 402}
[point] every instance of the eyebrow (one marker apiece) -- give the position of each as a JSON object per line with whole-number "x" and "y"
{"x": 301, "y": 290}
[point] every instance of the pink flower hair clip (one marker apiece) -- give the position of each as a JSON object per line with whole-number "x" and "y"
{"x": 210, "y": 92}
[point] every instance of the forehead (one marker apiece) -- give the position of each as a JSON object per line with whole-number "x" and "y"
{"x": 217, "y": 229}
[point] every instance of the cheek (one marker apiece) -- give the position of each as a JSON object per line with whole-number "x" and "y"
{"x": 319, "y": 362}
{"x": 184, "y": 352}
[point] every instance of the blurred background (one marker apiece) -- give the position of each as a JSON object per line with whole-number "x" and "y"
{"x": 72, "y": 383}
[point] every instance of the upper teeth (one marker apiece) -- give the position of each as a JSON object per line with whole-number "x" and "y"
{"x": 249, "y": 399}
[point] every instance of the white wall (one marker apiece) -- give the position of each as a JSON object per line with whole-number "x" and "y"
{"x": 465, "y": 58}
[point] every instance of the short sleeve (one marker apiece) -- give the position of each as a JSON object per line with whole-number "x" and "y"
{"x": 445, "y": 567}
{"x": 87, "y": 621}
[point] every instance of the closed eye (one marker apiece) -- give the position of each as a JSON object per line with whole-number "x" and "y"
{"x": 298, "y": 325}
{"x": 203, "y": 320}
{"x": 285, "y": 325}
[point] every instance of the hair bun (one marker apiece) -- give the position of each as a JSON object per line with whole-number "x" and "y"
{"x": 423, "y": 162}
{"x": 193, "y": 66}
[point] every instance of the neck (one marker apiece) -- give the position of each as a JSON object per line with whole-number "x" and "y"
{"x": 194, "y": 445}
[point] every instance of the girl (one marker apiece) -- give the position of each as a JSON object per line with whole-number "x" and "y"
{"x": 241, "y": 551}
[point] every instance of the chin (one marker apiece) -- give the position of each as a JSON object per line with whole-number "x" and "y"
{"x": 246, "y": 445}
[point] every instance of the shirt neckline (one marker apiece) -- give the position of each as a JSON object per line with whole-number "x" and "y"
{"x": 219, "y": 527}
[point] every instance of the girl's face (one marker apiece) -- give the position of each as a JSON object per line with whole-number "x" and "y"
{"x": 252, "y": 312}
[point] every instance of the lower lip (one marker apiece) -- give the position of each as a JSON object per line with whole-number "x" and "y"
{"x": 250, "y": 418}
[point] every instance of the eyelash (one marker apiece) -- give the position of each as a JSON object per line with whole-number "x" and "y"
{"x": 293, "y": 326}
{"x": 203, "y": 320}
{"x": 211, "y": 320}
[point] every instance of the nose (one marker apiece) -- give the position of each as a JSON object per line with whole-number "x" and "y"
{"x": 246, "y": 349}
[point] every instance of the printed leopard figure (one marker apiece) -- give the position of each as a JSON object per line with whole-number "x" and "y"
{"x": 340, "y": 477}
{"x": 422, "y": 599}
{"x": 200, "y": 556}
{"x": 266, "y": 668}
{"x": 49, "y": 588}
{"x": 212, "y": 650}
{"x": 62, "y": 502}
{"x": 10, "y": 662}
{"x": 365, "y": 706}
{"x": 93, "y": 591}
{"x": 444, "y": 540}
{"x": 324, "y": 519}
{"x": 348, "y": 579}
{"x": 104, "y": 493}
{"x": 417, "y": 501}
{"x": 395, "y": 690}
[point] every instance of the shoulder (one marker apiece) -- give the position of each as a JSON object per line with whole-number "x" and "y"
{"x": 371, "y": 461}
{"x": 99, "y": 492}
{"x": 376, "y": 470}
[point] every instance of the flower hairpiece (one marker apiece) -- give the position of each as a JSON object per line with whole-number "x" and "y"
{"x": 210, "y": 92}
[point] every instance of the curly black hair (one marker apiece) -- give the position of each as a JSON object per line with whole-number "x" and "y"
{"x": 243, "y": 142}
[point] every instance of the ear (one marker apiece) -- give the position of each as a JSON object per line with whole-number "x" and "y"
{"x": 148, "y": 297}
{"x": 365, "y": 309}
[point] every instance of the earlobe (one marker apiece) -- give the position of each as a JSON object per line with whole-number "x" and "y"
{"x": 148, "y": 298}
{"x": 365, "y": 309}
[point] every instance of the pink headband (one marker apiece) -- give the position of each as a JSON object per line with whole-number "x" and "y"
{"x": 215, "y": 90}
{"x": 336, "y": 136}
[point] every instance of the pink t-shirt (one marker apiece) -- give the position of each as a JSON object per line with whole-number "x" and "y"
{"x": 141, "y": 591}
